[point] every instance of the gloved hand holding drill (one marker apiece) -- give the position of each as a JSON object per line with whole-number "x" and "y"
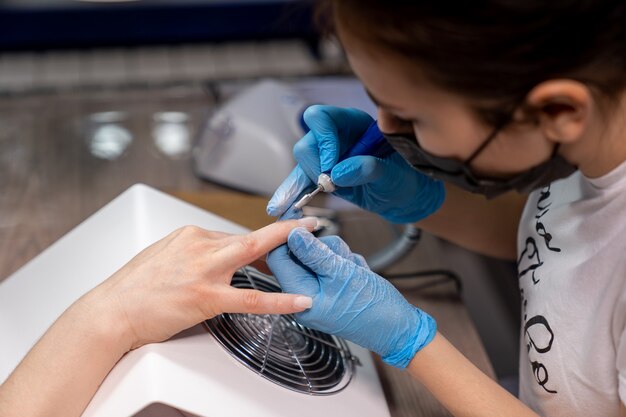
{"x": 387, "y": 186}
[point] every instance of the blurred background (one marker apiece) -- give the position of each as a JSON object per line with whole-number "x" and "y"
{"x": 98, "y": 95}
{"x": 53, "y": 44}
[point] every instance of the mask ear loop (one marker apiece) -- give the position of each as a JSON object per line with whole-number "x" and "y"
{"x": 498, "y": 127}
{"x": 487, "y": 141}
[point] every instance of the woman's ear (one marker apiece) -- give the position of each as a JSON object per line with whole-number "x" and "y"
{"x": 561, "y": 108}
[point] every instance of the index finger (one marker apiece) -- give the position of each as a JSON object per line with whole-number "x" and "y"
{"x": 247, "y": 248}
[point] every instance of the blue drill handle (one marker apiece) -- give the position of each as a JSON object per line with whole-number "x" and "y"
{"x": 372, "y": 142}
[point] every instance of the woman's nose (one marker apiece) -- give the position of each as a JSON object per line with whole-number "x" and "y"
{"x": 388, "y": 123}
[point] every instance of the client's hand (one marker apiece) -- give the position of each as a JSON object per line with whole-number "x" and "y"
{"x": 184, "y": 279}
{"x": 174, "y": 284}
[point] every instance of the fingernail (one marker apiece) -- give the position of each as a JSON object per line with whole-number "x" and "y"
{"x": 309, "y": 222}
{"x": 303, "y": 302}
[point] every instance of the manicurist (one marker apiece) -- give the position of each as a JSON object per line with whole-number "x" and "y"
{"x": 518, "y": 101}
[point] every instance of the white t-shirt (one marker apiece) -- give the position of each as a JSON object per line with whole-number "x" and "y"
{"x": 572, "y": 277}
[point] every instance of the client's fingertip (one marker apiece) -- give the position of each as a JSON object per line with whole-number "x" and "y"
{"x": 309, "y": 223}
{"x": 302, "y": 302}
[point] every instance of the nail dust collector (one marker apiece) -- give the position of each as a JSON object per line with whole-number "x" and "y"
{"x": 233, "y": 365}
{"x": 247, "y": 143}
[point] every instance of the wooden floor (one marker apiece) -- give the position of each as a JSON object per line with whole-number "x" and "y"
{"x": 50, "y": 181}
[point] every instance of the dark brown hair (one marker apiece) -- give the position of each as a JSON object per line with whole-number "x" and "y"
{"x": 496, "y": 51}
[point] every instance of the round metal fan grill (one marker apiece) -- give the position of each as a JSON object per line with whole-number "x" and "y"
{"x": 281, "y": 350}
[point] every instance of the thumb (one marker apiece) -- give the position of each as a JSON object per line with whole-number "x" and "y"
{"x": 358, "y": 170}
{"x": 313, "y": 253}
{"x": 341, "y": 248}
{"x": 292, "y": 276}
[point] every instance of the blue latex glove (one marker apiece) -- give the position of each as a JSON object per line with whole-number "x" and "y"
{"x": 387, "y": 186}
{"x": 349, "y": 300}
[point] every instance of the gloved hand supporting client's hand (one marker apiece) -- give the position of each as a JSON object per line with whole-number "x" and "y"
{"x": 349, "y": 300}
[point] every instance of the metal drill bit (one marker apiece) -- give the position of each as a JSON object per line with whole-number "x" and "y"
{"x": 308, "y": 197}
{"x": 324, "y": 183}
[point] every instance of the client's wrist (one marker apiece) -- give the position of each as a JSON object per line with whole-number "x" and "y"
{"x": 99, "y": 319}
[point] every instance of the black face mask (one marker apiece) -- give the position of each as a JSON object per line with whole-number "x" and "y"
{"x": 459, "y": 173}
